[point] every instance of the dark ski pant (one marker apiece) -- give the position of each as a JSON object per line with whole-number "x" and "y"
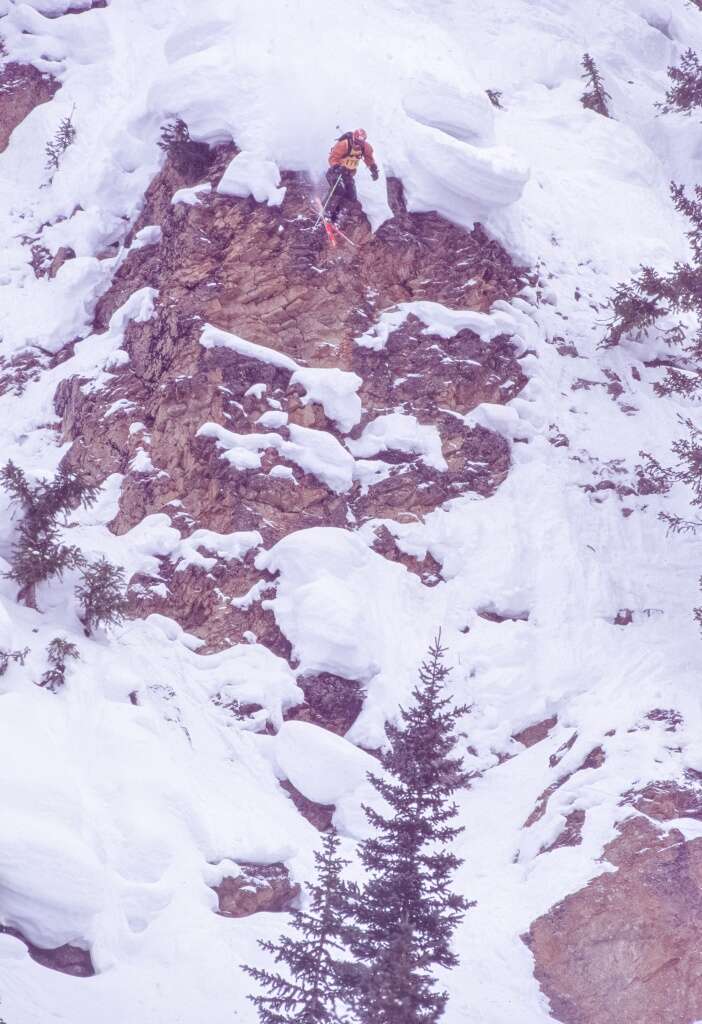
{"x": 344, "y": 192}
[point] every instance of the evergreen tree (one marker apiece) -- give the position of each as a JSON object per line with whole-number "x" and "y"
{"x": 308, "y": 993}
{"x": 650, "y": 296}
{"x": 406, "y": 913}
{"x": 102, "y": 594}
{"x": 595, "y": 96}
{"x": 38, "y": 553}
{"x": 57, "y": 652}
{"x": 685, "y": 90}
{"x": 190, "y": 158}
{"x": 6, "y": 657}
{"x": 65, "y": 136}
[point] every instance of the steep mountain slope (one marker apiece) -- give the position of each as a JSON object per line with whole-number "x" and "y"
{"x": 310, "y": 460}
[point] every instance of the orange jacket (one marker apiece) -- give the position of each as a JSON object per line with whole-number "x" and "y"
{"x": 349, "y": 153}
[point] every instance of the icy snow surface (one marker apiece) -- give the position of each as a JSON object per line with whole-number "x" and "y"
{"x": 116, "y": 817}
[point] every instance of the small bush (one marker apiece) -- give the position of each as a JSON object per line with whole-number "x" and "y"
{"x": 685, "y": 91}
{"x": 5, "y": 658}
{"x": 495, "y": 96}
{"x": 38, "y": 553}
{"x": 65, "y": 136}
{"x": 190, "y": 158}
{"x": 57, "y": 652}
{"x": 595, "y": 96}
{"x": 41, "y": 260}
{"x": 102, "y": 595}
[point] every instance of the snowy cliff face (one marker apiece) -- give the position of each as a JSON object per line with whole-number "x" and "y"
{"x": 310, "y": 460}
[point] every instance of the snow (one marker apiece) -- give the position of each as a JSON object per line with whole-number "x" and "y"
{"x": 314, "y": 451}
{"x": 191, "y": 196}
{"x": 227, "y": 545}
{"x": 212, "y": 337}
{"x": 397, "y": 431}
{"x": 117, "y": 816}
{"x": 324, "y": 767}
{"x": 251, "y": 175}
{"x": 335, "y": 390}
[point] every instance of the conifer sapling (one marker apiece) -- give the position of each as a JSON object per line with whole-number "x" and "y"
{"x": 65, "y": 136}
{"x": 685, "y": 91}
{"x": 38, "y": 552}
{"x": 309, "y": 990}
{"x": 7, "y": 656}
{"x": 595, "y": 95}
{"x": 102, "y": 594}
{"x": 57, "y": 653}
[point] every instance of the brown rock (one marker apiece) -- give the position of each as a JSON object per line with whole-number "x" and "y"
{"x": 535, "y": 733}
{"x": 570, "y": 834}
{"x": 594, "y": 759}
{"x": 22, "y": 88}
{"x": 319, "y": 815}
{"x": 259, "y": 887}
{"x": 330, "y": 702}
{"x": 264, "y": 274}
{"x": 67, "y": 959}
{"x": 627, "y": 949}
{"x": 666, "y": 801}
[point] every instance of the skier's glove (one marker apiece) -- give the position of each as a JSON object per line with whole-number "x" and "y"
{"x": 374, "y": 172}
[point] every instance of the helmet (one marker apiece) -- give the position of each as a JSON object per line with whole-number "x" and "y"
{"x": 360, "y": 135}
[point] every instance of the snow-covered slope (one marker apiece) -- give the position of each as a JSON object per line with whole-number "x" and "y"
{"x": 116, "y": 818}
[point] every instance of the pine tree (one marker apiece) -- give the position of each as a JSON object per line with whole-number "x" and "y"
{"x": 57, "y": 652}
{"x": 406, "y": 913}
{"x": 102, "y": 594}
{"x": 685, "y": 91}
{"x": 38, "y": 553}
{"x": 595, "y": 96}
{"x": 309, "y": 991}
{"x": 65, "y": 136}
{"x": 189, "y": 158}
{"x": 650, "y": 296}
{"x": 7, "y": 656}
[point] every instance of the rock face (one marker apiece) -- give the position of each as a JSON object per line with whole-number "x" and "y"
{"x": 627, "y": 949}
{"x": 259, "y": 888}
{"x": 22, "y": 88}
{"x": 265, "y": 275}
{"x": 66, "y": 959}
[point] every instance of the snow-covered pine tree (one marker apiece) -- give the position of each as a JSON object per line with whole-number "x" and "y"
{"x": 102, "y": 593}
{"x": 406, "y": 912}
{"x": 309, "y": 990}
{"x": 685, "y": 91}
{"x": 38, "y": 553}
{"x": 595, "y": 95}
{"x": 639, "y": 304}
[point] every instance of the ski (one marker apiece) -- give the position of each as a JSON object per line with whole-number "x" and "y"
{"x": 328, "y": 226}
{"x": 341, "y": 234}
{"x": 331, "y": 229}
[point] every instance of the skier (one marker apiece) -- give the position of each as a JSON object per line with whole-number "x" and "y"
{"x": 344, "y": 157}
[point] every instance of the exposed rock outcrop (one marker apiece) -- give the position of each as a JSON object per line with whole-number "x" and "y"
{"x": 66, "y": 959}
{"x": 263, "y": 274}
{"x": 259, "y": 888}
{"x": 22, "y": 88}
{"x": 627, "y": 949}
